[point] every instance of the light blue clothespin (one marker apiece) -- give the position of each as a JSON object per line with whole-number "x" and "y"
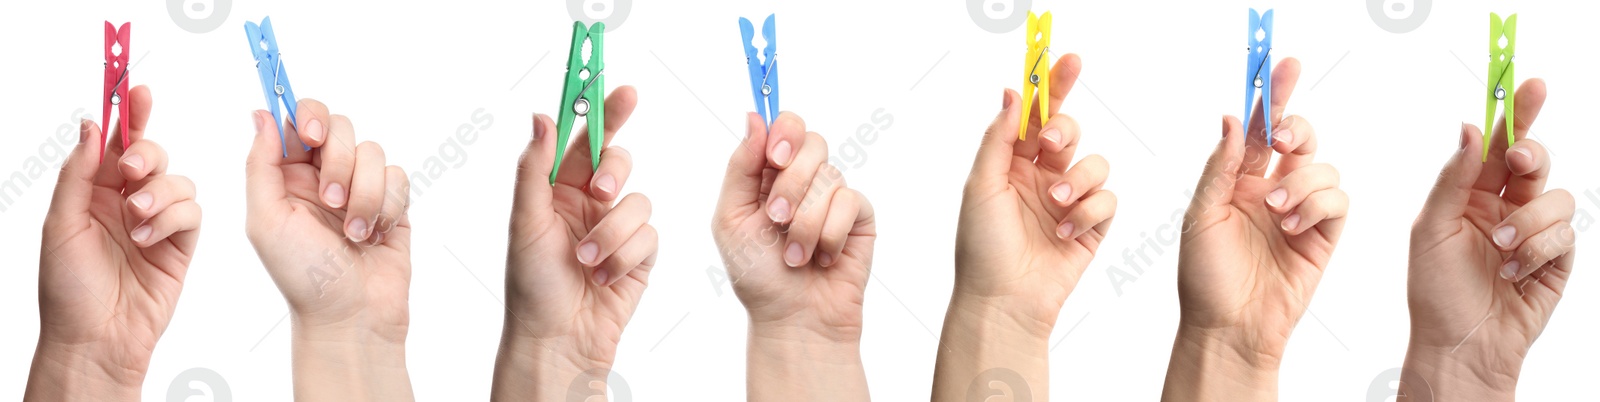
{"x": 1258, "y": 71}
{"x": 763, "y": 70}
{"x": 274, "y": 79}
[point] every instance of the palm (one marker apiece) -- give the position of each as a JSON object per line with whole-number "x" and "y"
{"x": 1008, "y": 239}
{"x": 769, "y": 288}
{"x": 1271, "y": 275}
{"x": 328, "y": 275}
{"x": 559, "y": 300}
{"x": 1455, "y": 281}
{"x": 97, "y": 284}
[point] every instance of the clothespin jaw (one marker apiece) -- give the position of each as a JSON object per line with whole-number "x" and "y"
{"x": 1502, "y": 78}
{"x": 274, "y": 76}
{"x": 763, "y": 65}
{"x": 1258, "y": 71}
{"x": 1036, "y": 72}
{"x": 581, "y": 95}
{"x": 116, "y": 78}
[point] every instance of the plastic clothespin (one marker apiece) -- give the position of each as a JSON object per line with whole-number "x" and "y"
{"x": 1502, "y": 70}
{"x": 763, "y": 65}
{"x": 582, "y": 93}
{"x": 1258, "y": 70}
{"x": 1036, "y": 71}
{"x": 116, "y": 89}
{"x": 274, "y": 78}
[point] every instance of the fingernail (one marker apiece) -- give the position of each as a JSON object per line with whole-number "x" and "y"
{"x": 825, "y": 259}
{"x": 83, "y": 131}
{"x": 315, "y": 131}
{"x": 1520, "y": 157}
{"x": 1284, "y": 135}
{"x": 1509, "y": 270}
{"x": 778, "y": 210}
{"x": 1504, "y": 236}
{"x": 1005, "y": 100}
{"x": 134, "y": 161}
{"x": 781, "y": 153}
{"x": 257, "y": 117}
{"x": 1291, "y": 222}
{"x": 141, "y": 234}
{"x": 334, "y": 195}
{"x": 587, "y": 253}
{"x": 357, "y": 229}
{"x": 141, "y": 200}
{"x": 1276, "y": 197}
{"x": 1052, "y": 135}
{"x": 1463, "y": 139}
{"x": 1065, "y": 230}
{"x": 538, "y": 129}
{"x": 600, "y": 276}
{"x": 792, "y": 255}
{"x": 606, "y": 184}
{"x": 1061, "y": 192}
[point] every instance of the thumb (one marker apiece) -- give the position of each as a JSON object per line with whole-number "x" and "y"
{"x": 742, "y": 184}
{"x": 1450, "y": 194}
{"x": 994, "y": 155}
{"x": 263, "y": 166}
{"x": 535, "y": 194}
{"x": 1221, "y": 172}
{"x": 75, "y": 187}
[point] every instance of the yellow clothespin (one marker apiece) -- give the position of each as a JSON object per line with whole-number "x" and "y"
{"x": 1036, "y": 73}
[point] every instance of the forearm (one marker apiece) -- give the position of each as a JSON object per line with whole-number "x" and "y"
{"x": 78, "y": 373}
{"x": 530, "y": 369}
{"x": 1216, "y": 365}
{"x": 790, "y": 363}
{"x": 342, "y": 364}
{"x": 1449, "y": 374}
{"x": 979, "y": 337}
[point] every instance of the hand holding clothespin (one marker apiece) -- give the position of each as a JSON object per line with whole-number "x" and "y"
{"x": 582, "y": 93}
{"x": 116, "y": 88}
{"x": 274, "y": 78}
{"x": 1502, "y": 74}
{"x": 1036, "y": 72}
{"x": 1258, "y": 70}
{"x": 763, "y": 65}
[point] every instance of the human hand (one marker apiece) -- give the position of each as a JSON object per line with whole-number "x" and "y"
{"x": 1031, "y": 220}
{"x": 330, "y": 226}
{"x": 797, "y": 243}
{"x": 117, "y": 244}
{"x": 578, "y": 264}
{"x": 1490, "y": 255}
{"x": 1253, "y": 250}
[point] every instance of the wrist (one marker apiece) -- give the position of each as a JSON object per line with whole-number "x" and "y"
{"x": 981, "y": 334}
{"x": 787, "y": 362}
{"x": 1216, "y": 364}
{"x": 80, "y": 372}
{"x": 1451, "y": 373}
{"x": 530, "y": 368}
{"x": 346, "y": 362}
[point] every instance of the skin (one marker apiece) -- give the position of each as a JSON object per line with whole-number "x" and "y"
{"x": 330, "y": 227}
{"x": 117, "y": 244}
{"x": 1491, "y": 253}
{"x": 1031, "y": 221}
{"x": 797, "y": 243}
{"x": 579, "y": 260}
{"x": 1254, "y": 247}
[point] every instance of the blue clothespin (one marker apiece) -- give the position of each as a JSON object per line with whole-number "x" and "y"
{"x": 274, "y": 79}
{"x": 1258, "y": 71}
{"x": 763, "y": 70}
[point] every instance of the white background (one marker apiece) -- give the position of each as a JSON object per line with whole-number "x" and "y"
{"x": 1157, "y": 77}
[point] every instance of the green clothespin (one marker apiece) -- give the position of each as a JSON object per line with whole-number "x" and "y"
{"x": 582, "y": 93}
{"x": 1502, "y": 73}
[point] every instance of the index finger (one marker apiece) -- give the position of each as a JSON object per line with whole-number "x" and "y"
{"x": 1257, "y": 155}
{"x": 577, "y": 164}
{"x": 1530, "y": 99}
